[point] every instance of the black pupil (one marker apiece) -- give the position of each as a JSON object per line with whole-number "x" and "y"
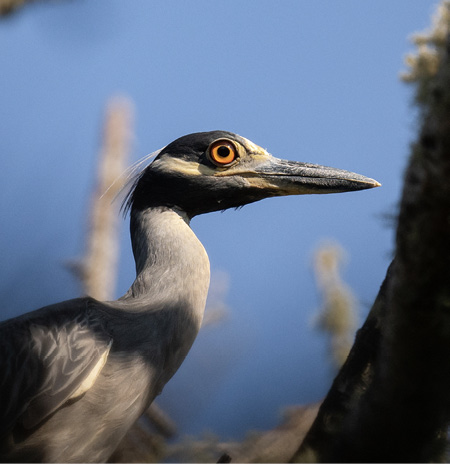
{"x": 223, "y": 151}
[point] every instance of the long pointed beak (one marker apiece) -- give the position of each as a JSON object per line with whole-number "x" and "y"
{"x": 284, "y": 177}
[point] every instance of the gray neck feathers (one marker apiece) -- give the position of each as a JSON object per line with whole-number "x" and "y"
{"x": 172, "y": 267}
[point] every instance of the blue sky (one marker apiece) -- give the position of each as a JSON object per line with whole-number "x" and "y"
{"x": 309, "y": 80}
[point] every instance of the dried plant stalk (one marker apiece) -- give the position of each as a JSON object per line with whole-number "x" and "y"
{"x": 99, "y": 266}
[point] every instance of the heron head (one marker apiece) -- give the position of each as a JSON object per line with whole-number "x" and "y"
{"x": 211, "y": 171}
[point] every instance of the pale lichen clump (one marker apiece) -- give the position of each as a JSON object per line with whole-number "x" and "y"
{"x": 424, "y": 62}
{"x": 338, "y": 315}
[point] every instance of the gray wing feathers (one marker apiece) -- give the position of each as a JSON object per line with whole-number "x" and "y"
{"x": 45, "y": 361}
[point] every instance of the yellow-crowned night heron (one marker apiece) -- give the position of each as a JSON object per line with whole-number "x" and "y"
{"x": 76, "y": 375}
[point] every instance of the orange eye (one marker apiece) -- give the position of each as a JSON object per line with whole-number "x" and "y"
{"x": 222, "y": 152}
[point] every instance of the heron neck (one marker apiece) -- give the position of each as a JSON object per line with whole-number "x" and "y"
{"x": 172, "y": 267}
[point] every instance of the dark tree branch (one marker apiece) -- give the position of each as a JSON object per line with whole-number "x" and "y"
{"x": 391, "y": 402}
{"x": 352, "y": 381}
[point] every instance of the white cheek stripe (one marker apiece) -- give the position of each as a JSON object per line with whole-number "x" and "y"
{"x": 190, "y": 168}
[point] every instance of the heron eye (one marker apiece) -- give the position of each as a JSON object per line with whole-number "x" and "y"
{"x": 222, "y": 152}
